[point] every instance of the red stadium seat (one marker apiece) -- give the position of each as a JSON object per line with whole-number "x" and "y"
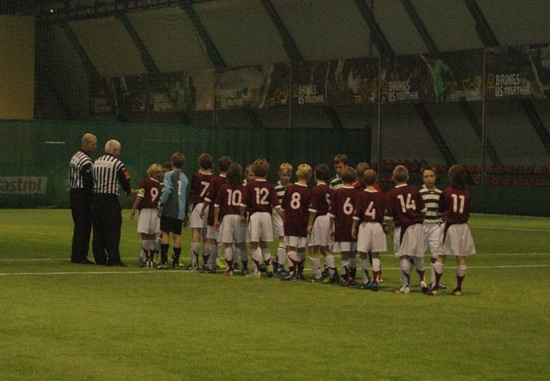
{"x": 520, "y": 170}
{"x": 519, "y": 183}
{"x": 505, "y": 182}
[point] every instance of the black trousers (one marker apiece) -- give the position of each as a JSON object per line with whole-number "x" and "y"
{"x": 81, "y": 210}
{"x": 107, "y": 222}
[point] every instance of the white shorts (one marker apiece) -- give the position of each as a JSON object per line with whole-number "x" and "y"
{"x": 278, "y": 225}
{"x": 340, "y": 247}
{"x": 412, "y": 243}
{"x": 148, "y": 221}
{"x": 211, "y": 233}
{"x": 231, "y": 229}
{"x": 260, "y": 227}
{"x": 196, "y": 221}
{"x": 297, "y": 242}
{"x": 432, "y": 238}
{"x": 371, "y": 237}
{"x": 320, "y": 234}
{"x": 458, "y": 241}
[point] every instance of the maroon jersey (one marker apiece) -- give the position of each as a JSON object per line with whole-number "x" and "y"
{"x": 230, "y": 199}
{"x": 405, "y": 205}
{"x": 200, "y": 181}
{"x": 320, "y": 199}
{"x": 370, "y": 206}
{"x": 295, "y": 204}
{"x": 261, "y": 196}
{"x": 150, "y": 191}
{"x": 341, "y": 209}
{"x": 454, "y": 204}
{"x": 212, "y": 194}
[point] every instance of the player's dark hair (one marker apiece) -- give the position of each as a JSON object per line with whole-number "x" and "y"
{"x": 341, "y": 158}
{"x": 369, "y": 177}
{"x": 457, "y": 177}
{"x": 322, "y": 172}
{"x": 206, "y": 161}
{"x": 260, "y": 168}
{"x": 223, "y": 163}
{"x": 400, "y": 174}
{"x": 178, "y": 160}
{"x": 348, "y": 175}
{"x": 234, "y": 174}
{"x": 428, "y": 168}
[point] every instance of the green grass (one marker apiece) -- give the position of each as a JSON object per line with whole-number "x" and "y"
{"x": 72, "y": 322}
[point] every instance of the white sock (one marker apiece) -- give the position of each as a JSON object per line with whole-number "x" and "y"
{"x": 195, "y": 246}
{"x": 281, "y": 254}
{"x": 461, "y": 270}
{"x": 266, "y": 253}
{"x": 228, "y": 254}
{"x": 331, "y": 264}
{"x": 316, "y": 267}
{"x": 438, "y": 268}
{"x": 293, "y": 260}
{"x": 344, "y": 265}
{"x": 376, "y": 264}
{"x": 256, "y": 257}
{"x": 405, "y": 275}
{"x": 419, "y": 264}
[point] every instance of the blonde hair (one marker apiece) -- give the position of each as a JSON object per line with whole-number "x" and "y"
{"x": 154, "y": 169}
{"x": 285, "y": 167}
{"x": 304, "y": 171}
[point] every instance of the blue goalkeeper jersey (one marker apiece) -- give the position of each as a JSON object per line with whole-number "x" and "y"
{"x": 174, "y": 194}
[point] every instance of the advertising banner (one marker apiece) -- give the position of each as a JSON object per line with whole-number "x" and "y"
{"x": 276, "y": 89}
{"x": 171, "y": 92}
{"x": 352, "y": 81}
{"x": 249, "y": 87}
{"x": 517, "y": 72}
{"x": 309, "y": 83}
{"x": 446, "y": 77}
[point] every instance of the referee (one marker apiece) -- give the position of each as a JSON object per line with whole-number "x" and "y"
{"x": 109, "y": 173}
{"x": 81, "y": 183}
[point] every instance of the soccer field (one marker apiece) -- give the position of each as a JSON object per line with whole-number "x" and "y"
{"x": 62, "y": 321}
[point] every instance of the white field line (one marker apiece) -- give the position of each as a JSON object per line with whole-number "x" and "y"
{"x": 149, "y": 271}
{"x": 511, "y": 229}
{"x": 337, "y": 255}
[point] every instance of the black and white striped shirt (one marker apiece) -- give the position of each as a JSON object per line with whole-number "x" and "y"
{"x": 108, "y": 173}
{"x": 80, "y": 171}
{"x": 280, "y": 189}
{"x": 431, "y": 200}
{"x": 336, "y": 183}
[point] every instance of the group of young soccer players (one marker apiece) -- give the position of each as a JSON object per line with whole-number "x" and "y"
{"x": 347, "y": 214}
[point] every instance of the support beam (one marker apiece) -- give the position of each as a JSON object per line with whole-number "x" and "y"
{"x": 333, "y": 117}
{"x": 477, "y": 127}
{"x": 211, "y": 50}
{"x": 429, "y": 123}
{"x": 483, "y": 28}
{"x": 146, "y": 58}
{"x": 289, "y": 44}
{"x": 536, "y": 122}
{"x": 377, "y": 35}
{"x": 91, "y": 71}
{"x": 420, "y": 27}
